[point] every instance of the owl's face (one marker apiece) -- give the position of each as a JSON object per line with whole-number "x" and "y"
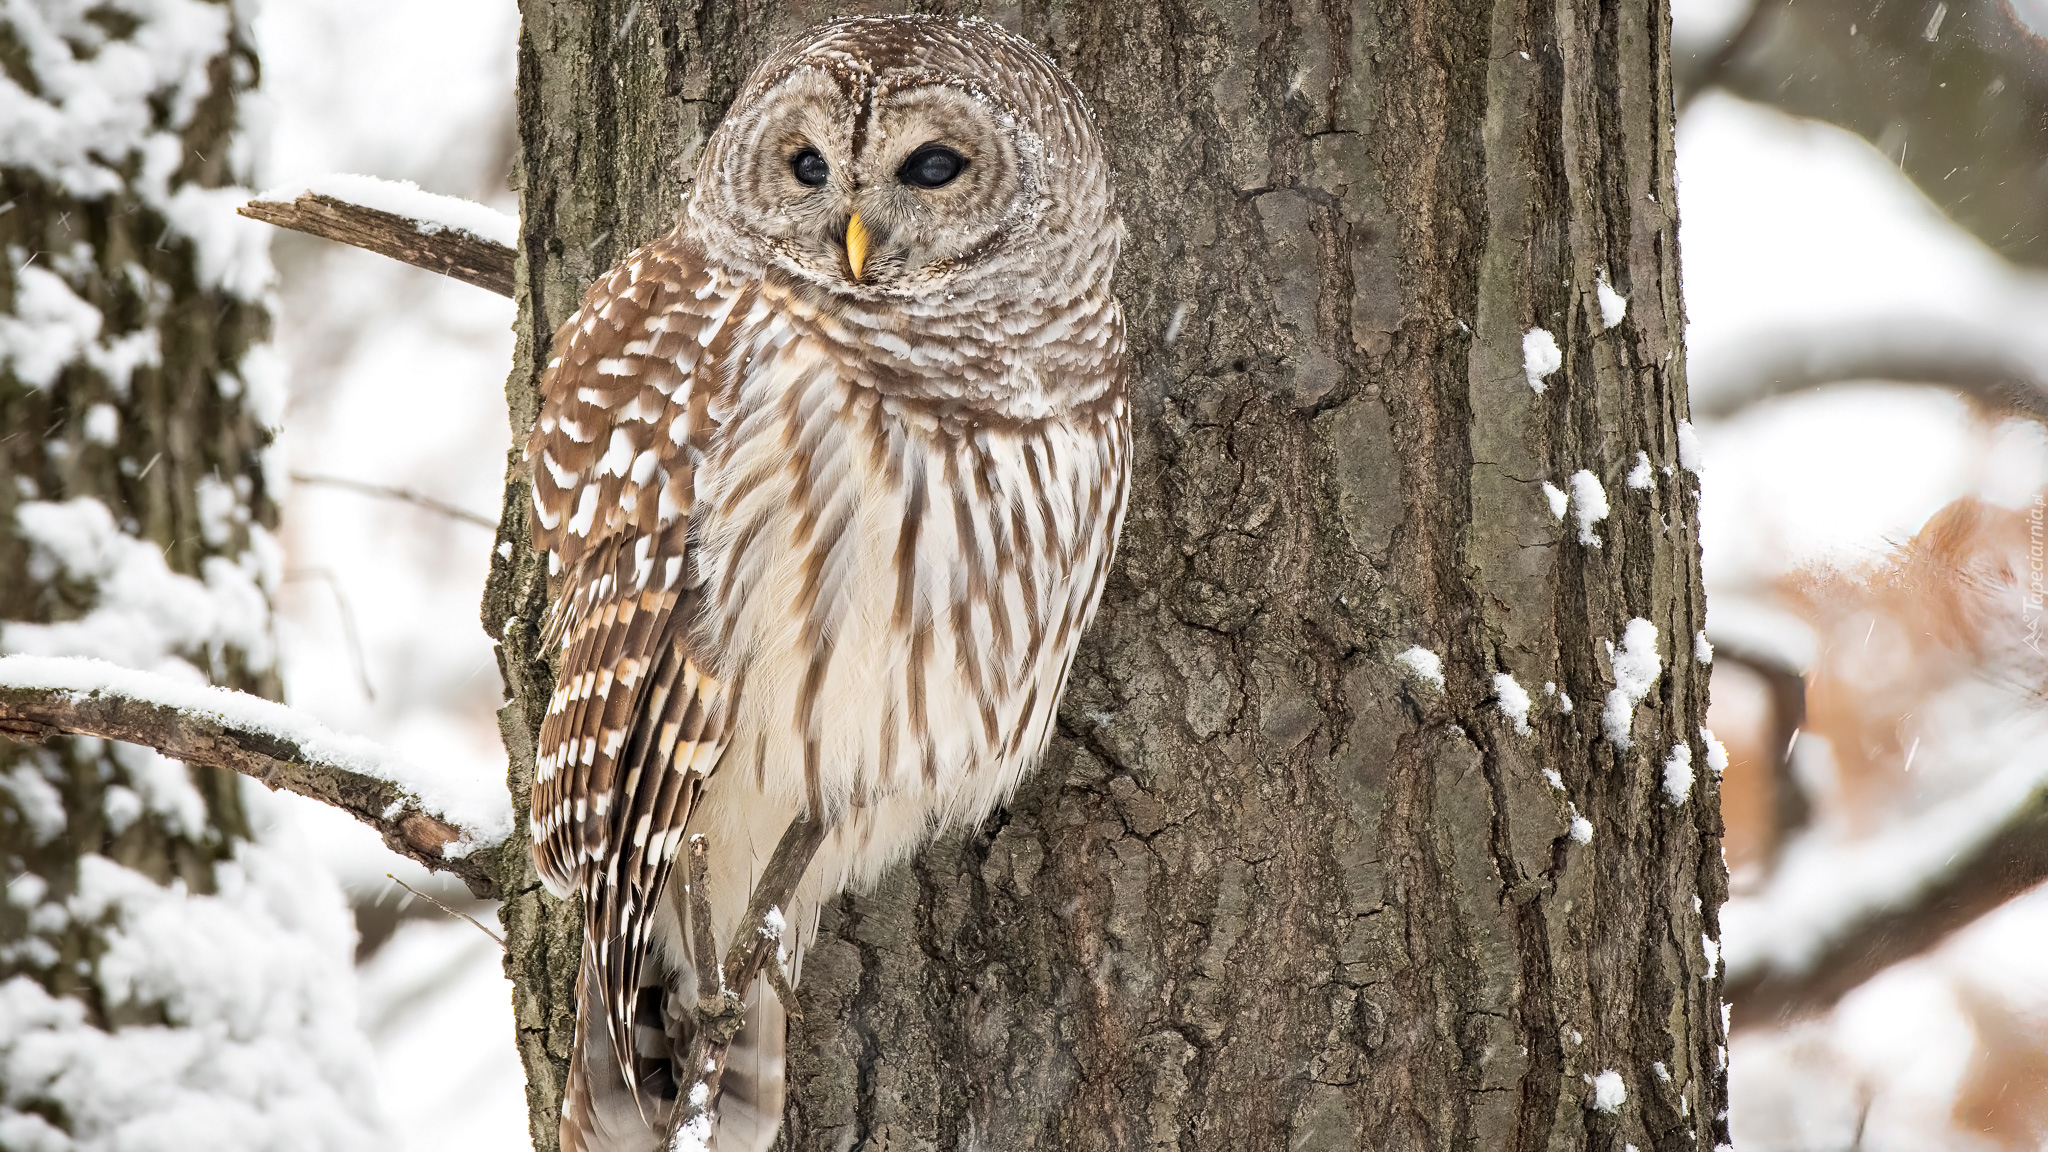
{"x": 906, "y": 157}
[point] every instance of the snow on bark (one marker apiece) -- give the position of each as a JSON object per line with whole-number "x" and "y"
{"x": 1642, "y": 477}
{"x": 1424, "y": 665}
{"x": 1678, "y": 775}
{"x": 1691, "y": 456}
{"x": 1636, "y": 668}
{"x": 1589, "y": 504}
{"x": 1514, "y": 701}
{"x": 1540, "y": 357}
{"x": 144, "y": 615}
{"x": 1609, "y": 1093}
{"x": 1613, "y": 305}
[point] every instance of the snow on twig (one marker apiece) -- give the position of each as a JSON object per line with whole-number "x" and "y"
{"x": 425, "y": 816}
{"x": 431, "y": 212}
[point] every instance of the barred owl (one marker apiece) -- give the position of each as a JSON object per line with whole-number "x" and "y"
{"x": 829, "y": 479}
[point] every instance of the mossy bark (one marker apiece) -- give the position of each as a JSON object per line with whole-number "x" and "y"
{"x": 1268, "y": 890}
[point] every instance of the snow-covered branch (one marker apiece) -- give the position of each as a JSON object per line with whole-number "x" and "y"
{"x": 1836, "y": 915}
{"x": 1985, "y": 367}
{"x": 454, "y": 237}
{"x": 420, "y": 817}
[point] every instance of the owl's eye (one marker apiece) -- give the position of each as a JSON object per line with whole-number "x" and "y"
{"x": 809, "y": 168}
{"x": 932, "y": 166}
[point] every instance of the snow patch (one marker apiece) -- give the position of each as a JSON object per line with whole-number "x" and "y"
{"x": 1642, "y": 477}
{"x": 1717, "y": 752}
{"x": 1589, "y": 503}
{"x": 1514, "y": 701}
{"x": 1613, "y": 305}
{"x": 1558, "y": 500}
{"x": 50, "y": 326}
{"x": 1636, "y": 668}
{"x": 144, "y": 615}
{"x": 1609, "y": 1094}
{"x": 37, "y": 800}
{"x": 1582, "y": 828}
{"x": 103, "y": 424}
{"x": 1702, "y": 648}
{"x": 263, "y": 1049}
{"x": 1678, "y": 774}
{"x": 1691, "y": 456}
{"x": 1540, "y": 357}
{"x": 1424, "y": 665}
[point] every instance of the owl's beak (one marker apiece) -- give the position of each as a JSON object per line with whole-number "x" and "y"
{"x": 856, "y": 245}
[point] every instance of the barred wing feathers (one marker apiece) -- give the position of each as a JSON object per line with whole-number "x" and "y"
{"x": 635, "y": 723}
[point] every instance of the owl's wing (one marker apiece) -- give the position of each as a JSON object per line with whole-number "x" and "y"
{"x": 635, "y": 723}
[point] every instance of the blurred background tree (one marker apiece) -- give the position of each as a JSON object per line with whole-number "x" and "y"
{"x": 1869, "y": 337}
{"x": 158, "y": 970}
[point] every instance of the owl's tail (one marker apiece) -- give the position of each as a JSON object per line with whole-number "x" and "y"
{"x": 599, "y": 1113}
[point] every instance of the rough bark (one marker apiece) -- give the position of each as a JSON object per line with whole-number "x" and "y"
{"x": 180, "y": 422}
{"x": 1267, "y": 892}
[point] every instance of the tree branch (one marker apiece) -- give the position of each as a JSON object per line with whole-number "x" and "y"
{"x": 1969, "y": 363}
{"x": 756, "y": 942}
{"x": 1707, "y": 73}
{"x": 423, "y": 243}
{"x": 42, "y": 697}
{"x": 1968, "y": 869}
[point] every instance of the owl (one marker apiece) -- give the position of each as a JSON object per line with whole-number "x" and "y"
{"x": 829, "y": 480}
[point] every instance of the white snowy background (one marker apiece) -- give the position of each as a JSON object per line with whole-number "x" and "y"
{"x": 397, "y": 377}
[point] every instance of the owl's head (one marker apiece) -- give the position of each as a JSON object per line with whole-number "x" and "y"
{"x": 910, "y": 158}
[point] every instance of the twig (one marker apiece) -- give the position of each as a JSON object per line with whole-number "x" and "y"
{"x": 422, "y": 244}
{"x": 443, "y": 907}
{"x": 721, "y": 1013}
{"x": 349, "y": 633}
{"x": 389, "y": 492}
{"x": 702, "y": 942}
{"x": 42, "y": 697}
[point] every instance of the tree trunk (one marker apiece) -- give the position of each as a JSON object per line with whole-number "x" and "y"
{"x": 1272, "y": 888}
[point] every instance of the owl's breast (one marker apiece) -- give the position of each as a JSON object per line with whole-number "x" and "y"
{"x": 893, "y": 599}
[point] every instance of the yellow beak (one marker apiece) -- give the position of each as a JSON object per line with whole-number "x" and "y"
{"x": 856, "y": 245}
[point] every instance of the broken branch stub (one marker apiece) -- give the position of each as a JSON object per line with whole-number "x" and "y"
{"x": 421, "y": 243}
